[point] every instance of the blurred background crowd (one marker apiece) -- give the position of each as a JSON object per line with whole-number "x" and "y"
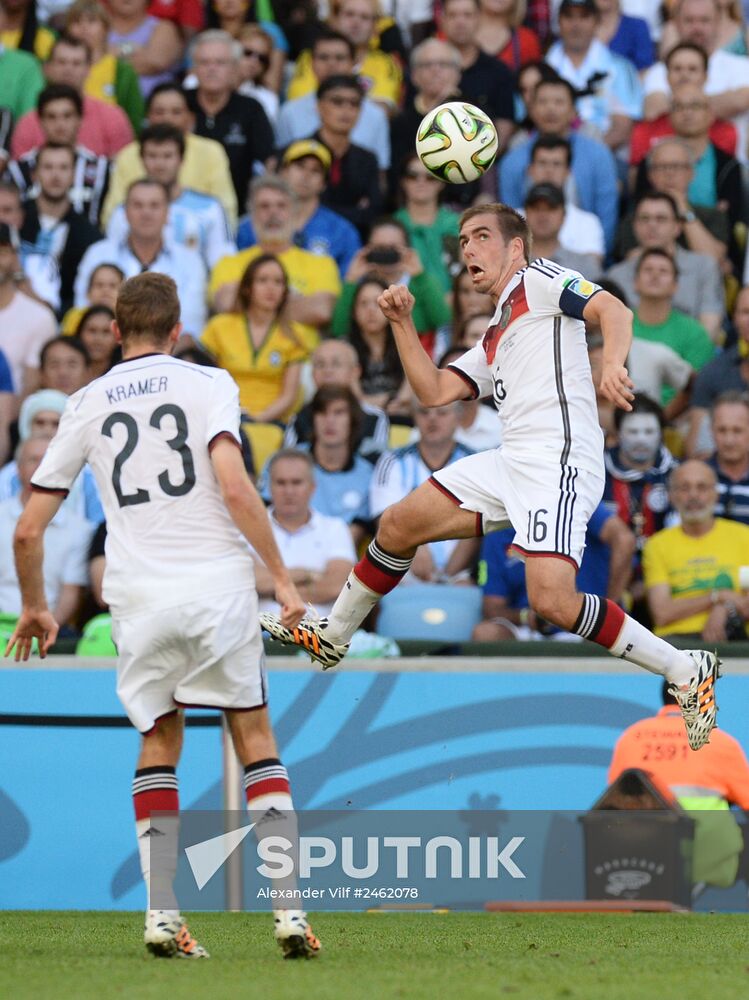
{"x": 261, "y": 152}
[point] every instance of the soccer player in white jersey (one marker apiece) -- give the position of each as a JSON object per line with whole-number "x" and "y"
{"x": 548, "y": 475}
{"x": 162, "y": 438}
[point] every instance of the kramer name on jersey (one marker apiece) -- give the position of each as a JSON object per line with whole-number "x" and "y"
{"x": 143, "y": 387}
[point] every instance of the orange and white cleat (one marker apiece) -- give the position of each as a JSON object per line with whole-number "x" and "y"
{"x": 294, "y": 934}
{"x": 166, "y": 936}
{"x": 697, "y": 701}
{"x": 308, "y": 635}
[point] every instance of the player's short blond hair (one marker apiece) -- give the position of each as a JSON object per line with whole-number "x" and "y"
{"x": 147, "y": 308}
{"x": 510, "y": 223}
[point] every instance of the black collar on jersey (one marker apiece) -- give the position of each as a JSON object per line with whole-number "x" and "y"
{"x": 139, "y": 357}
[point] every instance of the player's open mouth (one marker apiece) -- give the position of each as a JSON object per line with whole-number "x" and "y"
{"x": 474, "y": 270}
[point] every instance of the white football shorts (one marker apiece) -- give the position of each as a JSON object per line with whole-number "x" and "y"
{"x": 548, "y": 505}
{"x": 208, "y": 653}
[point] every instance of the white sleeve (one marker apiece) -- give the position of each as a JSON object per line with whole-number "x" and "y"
{"x": 473, "y": 368}
{"x": 386, "y": 486}
{"x": 223, "y": 409}
{"x": 88, "y": 262}
{"x": 551, "y": 289}
{"x": 192, "y": 293}
{"x": 338, "y": 541}
{"x": 218, "y": 241}
{"x": 655, "y": 80}
{"x": 64, "y": 457}
{"x": 117, "y": 228}
{"x": 75, "y": 569}
{"x": 674, "y": 371}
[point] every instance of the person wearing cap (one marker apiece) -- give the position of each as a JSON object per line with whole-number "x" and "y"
{"x": 313, "y": 278}
{"x": 332, "y": 54}
{"x": 25, "y": 324}
{"x": 304, "y": 167}
{"x": 610, "y": 95}
{"x": 545, "y": 211}
{"x": 551, "y": 162}
{"x": 196, "y": 220}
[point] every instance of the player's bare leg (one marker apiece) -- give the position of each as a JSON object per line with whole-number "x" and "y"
{"x": 552, "y": 594}
{"x": 426, "y": 515}
{"x": 270, "y": 807}
{"x": 155, "y": 792}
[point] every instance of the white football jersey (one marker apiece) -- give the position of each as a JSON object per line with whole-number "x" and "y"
{"x": 533, "y": 361}
{"x": 146, "y": 429}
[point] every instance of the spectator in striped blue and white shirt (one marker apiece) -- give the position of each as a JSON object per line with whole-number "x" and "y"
{"x": 196, "y": 220}
{"x": 730, "y": 429}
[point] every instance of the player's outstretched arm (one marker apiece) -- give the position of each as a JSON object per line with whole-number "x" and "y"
{"x": 250, "y": 516}
{"x": 433, "y": 386}
{"x": 615, "y": 321}
{"x": 36, "y": 621}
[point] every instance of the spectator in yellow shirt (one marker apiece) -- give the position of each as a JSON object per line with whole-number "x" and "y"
{"x": 314, "y": 280}
{"x": 257, "y": 343}
{"x": 379, "y": 72}
{"x": 691, "y": 571}
{"x": 205, "y": 166}
{"x": 20, "y": 29}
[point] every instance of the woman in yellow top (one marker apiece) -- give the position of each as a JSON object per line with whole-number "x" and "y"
{"x": 259, "y": 348}
{"x": 20, "y": 29}
{"x": 110, "y": 79}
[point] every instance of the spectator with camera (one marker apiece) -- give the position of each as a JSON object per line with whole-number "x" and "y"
{"x": 691, "y": 571}
{"x": 389, "y": 257}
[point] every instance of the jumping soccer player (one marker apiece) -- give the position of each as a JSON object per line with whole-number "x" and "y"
{"x": 162, "y": 438}
{"x": 548, "y": 476}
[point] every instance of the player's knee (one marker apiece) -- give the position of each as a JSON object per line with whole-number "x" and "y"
{"x": 393, "y": 532}
{"x": 552, "y": 605}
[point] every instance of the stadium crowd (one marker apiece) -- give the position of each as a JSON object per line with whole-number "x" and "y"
{"x": 261, "y": 152}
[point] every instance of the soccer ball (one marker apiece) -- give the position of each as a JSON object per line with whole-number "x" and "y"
{"x": 457, "y": 142}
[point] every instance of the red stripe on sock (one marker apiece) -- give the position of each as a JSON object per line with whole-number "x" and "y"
{"x": 613, "y": 621}
{"x": 157, "y": 800}
{"x": 374, "y": 578}
{"x": 267, "y": 787}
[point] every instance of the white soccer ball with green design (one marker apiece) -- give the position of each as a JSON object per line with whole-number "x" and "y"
{"x": 457, "y": 142}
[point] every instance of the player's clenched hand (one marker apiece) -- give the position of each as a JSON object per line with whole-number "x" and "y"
{"x": 292, "y": 606}
{"x": 617, "y": 386}
{"x": 396, "y": 302}
{"x": 39, "y": 625}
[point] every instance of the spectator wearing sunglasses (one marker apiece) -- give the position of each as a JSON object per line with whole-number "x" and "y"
{"x": 353, "y": 188}
{"x": 257, "y": 48}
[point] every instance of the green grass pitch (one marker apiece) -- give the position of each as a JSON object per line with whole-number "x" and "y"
{"x": 372, "y": 956}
